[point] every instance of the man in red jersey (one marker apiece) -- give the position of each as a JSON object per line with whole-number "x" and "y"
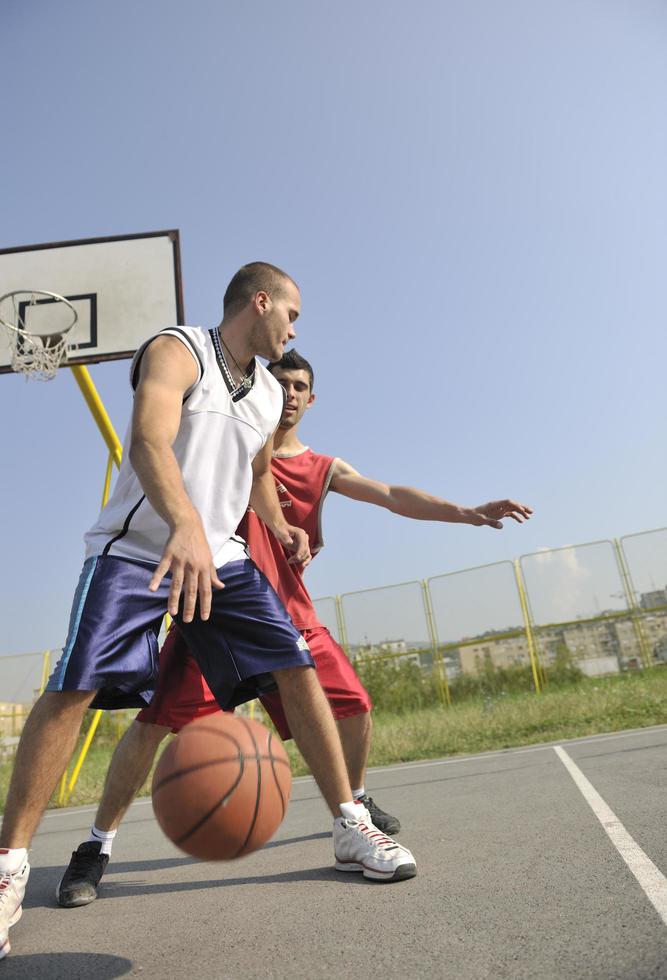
{"x": 303, "y": 479}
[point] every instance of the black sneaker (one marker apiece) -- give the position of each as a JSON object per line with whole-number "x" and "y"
{"x": 78, "y": 886}
{"x": 383, "y": 821}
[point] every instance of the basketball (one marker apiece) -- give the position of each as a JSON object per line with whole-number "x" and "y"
{"x": 221, "y": 787}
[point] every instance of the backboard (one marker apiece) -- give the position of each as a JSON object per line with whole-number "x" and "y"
{"x": 124, "y": 289}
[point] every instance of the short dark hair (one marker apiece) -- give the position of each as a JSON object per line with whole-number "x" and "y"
{"x": 251, "y": 279}
{"x": 293, "y": 361}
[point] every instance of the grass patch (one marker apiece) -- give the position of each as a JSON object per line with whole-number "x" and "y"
{"x": 589, "y": 707}
{"x": 604, "y": 705}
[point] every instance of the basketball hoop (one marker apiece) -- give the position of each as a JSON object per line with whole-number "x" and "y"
{"x": 37, "y": 352}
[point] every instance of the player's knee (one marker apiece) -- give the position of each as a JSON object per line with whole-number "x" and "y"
{"x": 290, "y": 678}
{"x": 147, "y": 734}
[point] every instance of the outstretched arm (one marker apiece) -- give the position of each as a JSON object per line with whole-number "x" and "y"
{"x": 167, "y": 371}
{"x": 419, "y": 505}
{"x": 264, "y": 501}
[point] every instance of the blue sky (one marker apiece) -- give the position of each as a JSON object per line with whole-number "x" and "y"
{"x": 472, "y": 198}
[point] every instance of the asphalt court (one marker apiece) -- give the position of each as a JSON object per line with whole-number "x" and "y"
{"x": 518, "y": 878}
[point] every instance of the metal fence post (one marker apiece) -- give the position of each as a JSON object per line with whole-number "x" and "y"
{"x": 635, "y": 615}
{"x": 46, "y": 667}
{"x": 527, "y": 624}
{"x": 342, "y": 628}
{"x": 438, "y": 659}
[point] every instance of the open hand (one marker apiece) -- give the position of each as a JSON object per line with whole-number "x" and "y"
{"x": 491, "y": 514}
{"x": 188, "y": 557}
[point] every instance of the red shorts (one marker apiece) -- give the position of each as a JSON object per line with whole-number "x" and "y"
{"x": 182, "y": 693}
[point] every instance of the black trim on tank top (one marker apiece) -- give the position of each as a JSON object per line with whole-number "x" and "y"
{"x": 126, "y": 526}
{"x": 168, "y": 332}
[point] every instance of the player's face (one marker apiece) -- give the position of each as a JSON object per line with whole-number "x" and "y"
{"x": 275, "y": 327}
{"x": 298, "y": 396}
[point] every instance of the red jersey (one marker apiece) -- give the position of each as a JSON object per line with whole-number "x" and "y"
{"x": 302, "y": 482}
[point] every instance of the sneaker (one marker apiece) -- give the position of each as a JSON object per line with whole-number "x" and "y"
{"x": 78, "y": 886}
{"x": 383, "y": 821}
{"x": 12, "y": 890}
{"x": 360, "y": 846}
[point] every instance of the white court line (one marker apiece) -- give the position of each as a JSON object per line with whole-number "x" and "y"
{"x": 651, "y": 879}
{"x": 422, "y": 765}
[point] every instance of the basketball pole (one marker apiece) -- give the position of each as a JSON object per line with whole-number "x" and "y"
{"x": 66, "y": 787}
{"x": 98, "y": 411}
{"x": 101, "y": 417}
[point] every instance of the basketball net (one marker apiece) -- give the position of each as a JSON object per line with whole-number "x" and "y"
{"x": 37, "y": 353}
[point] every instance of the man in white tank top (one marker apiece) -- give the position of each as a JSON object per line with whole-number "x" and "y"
{"x": 201, "y": 436}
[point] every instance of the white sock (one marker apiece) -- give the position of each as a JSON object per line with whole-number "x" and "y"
{"x": 351, "y": 810}
{"x": 12, "y": 859}
{"x": 105, "y": 837}
{"x": 356, "y": 793}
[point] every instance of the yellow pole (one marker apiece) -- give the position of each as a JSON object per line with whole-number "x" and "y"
{"x": 527, "y": 624}
{"x": 635, "y": 614}
{"x": 46, "y": 666}
{"x": 340, "y": 619}
{"x": 107, "y": 479}
{"x": 98, "y": 411}
{"x": 61, "y": 788}
{"x": 82, "y": 755}
{"x": 438, "y": 659}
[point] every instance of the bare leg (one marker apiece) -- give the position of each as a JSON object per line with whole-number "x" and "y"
{"x": 128, "y": 770}
{"x": 314, "y": 731}
{"x": 355, "y": 737}
{"x": 46, "y": 745}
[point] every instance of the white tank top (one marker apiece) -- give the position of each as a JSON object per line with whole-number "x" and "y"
{"x": 221, "y": 431}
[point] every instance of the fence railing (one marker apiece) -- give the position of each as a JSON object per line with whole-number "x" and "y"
{"x": 603, "y": 604}
{"x": 599, "y": 606}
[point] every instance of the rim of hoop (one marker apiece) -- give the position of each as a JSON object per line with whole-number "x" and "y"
{"x": 36, "y": 292}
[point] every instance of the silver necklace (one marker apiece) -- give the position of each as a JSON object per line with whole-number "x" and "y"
{"x": 246, "y": 379}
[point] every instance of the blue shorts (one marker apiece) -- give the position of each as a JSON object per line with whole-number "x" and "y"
{"x": 112, "y": 644}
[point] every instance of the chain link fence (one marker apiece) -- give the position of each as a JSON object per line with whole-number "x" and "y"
{"x": 590, "y": 609}
{"x": 22, "y": 679}
{"x": 587, "y": 610}
{"x": 580, "y": 608}
{"x": 645, "y": 557}
{"x": 388, "y": 634}
{"x": 477, "y": 613}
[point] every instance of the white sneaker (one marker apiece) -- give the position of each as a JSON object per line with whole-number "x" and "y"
{"x": 360, "y": 846}
{"x": 12, "y": 890}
